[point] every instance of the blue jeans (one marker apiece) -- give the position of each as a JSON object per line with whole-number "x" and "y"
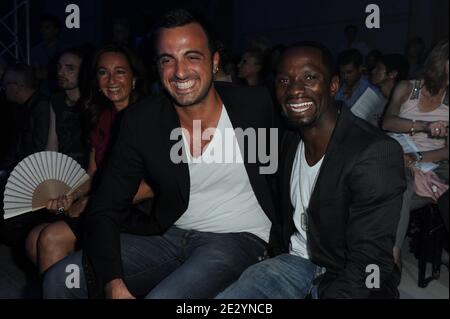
{"x": 179, "y": 264}
{"x": 282, "y": 277}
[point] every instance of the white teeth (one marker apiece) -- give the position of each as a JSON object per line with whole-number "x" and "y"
{"x": 184, "y": 85}
{"x": 300, "y": 104}
{"x": 300, "y": 107}
{"x": 113, "y": 89}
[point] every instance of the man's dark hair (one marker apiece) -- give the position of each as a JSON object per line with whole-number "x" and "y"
{"x": 181, "y": 17}
{"x": 26, "y": 75}
{"x": 54, "y": 20}
{"x": 351, "y": 56}
{"x": 226, "y": 61}
{"x": 77, "y": 51}
{"x": 327, "y": 56}
{"x": 396, "y": 62}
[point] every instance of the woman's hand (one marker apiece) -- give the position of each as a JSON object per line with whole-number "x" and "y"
{"x": 410, "y": 159}
{"x": 78, "y": 207}
{"x": 438, "y": 129}
{"x": 61, "y": 204}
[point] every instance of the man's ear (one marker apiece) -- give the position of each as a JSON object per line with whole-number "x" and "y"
{"x": 334, "y": 85}
{"x": 216, "y": 61}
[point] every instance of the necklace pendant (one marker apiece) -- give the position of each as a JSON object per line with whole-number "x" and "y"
{"x": 304, "y": 221}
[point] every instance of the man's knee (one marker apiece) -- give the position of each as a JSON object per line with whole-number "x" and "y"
{"x": 64, "y": 279}
{"x": 54, "y": 281}
{"x": 263, "y": 269}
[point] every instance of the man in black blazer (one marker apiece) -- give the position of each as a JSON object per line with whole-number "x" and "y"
{"x": 209, "y": 220}
{"x": 341, "y": 193}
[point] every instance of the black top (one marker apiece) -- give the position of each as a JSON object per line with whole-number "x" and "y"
{"x": 69, "y": 129}
{"x": 32, "y": 119}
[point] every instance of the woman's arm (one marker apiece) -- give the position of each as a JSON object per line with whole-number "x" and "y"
{"x": 437, "y": 155}
{"x": 393, "y": 123}
{"x": 144, "y": 192}
{"x": 66, "y": 201}
{"x": 429, "y": 156}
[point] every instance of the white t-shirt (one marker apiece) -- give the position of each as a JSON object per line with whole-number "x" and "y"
{"x": 221, "y": 199}
{"x": 300, "y": 196}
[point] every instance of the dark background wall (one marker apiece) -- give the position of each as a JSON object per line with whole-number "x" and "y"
{"x": 280, "y": 21}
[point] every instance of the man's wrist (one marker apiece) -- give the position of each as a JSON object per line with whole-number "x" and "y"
{"x": 419, "y": 156}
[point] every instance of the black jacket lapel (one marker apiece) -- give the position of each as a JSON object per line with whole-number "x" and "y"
{"x": 342, "y": 124}
{"x": 172, "y": 122}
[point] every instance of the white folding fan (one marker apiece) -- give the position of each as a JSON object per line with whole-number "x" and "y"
{"x": 38, "y": 178}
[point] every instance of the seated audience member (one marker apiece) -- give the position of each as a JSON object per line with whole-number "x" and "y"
{"x": 31, "y": 120}
{"x": 358, "y": 94}
{"x": 341, "y": 185}
{"x": 415, "y": 53}
{"x": 117, "y": 81}
{"x": 7, "y": 133}
{"x": 32, "y": 110}
{"x": 253, "y": 67}
{"x": 7, "y": 127}
{"x": 211, "y": 219}
{"x": 388, "y": 71}
{"x": 44, "y": 54}
{"x": 226, "y": 69}
{"x": 353, "y": 83}
{"x": 420, "y": 108}
{"x": 371, "y": 61}
{"x": 66, "y": 128}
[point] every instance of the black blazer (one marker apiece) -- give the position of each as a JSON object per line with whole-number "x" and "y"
{"x": 354, "y": 208}
{"x": 143, "y": 151}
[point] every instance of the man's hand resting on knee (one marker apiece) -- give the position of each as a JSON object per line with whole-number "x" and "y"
{"x": 116, "y": 289}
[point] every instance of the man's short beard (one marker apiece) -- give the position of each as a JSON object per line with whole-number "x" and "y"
{"x": 68, "y": 87}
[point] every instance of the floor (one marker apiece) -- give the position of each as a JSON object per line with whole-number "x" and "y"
{"x": 436, "y": 289}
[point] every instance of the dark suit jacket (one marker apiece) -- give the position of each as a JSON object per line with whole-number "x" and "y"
{"x": 354, "y": 208}
{"x": 143, "y": 151}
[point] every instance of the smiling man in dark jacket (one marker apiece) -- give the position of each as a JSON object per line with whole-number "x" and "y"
{"x": 341, "y": 193}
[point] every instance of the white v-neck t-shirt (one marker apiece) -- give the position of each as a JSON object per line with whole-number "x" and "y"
{"x": 303, "y": 180}
{"x": 221, "y": 198}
